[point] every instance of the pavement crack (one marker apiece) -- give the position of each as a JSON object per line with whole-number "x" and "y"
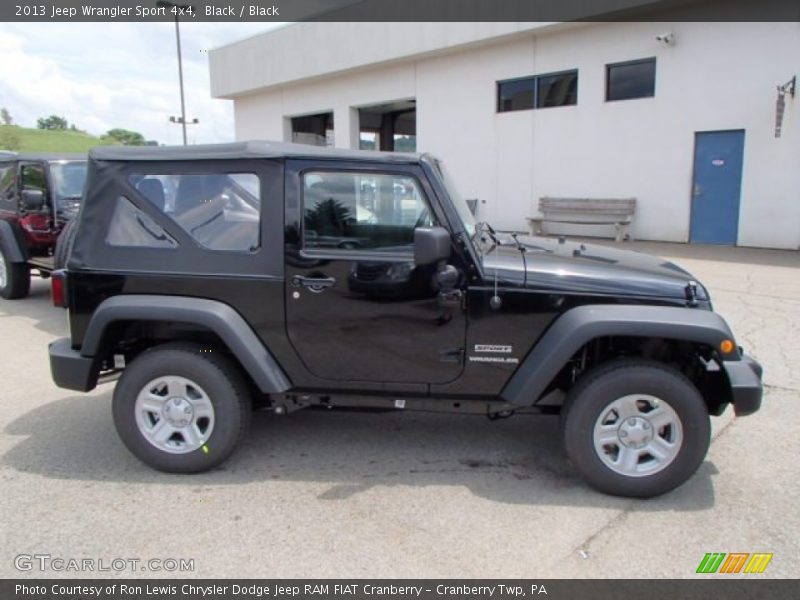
{"x": 755, "y": 295}
{"x": 780, "y": 388}
{"x": 583, "y": 547}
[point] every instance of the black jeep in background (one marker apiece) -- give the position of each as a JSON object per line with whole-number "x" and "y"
{"x": 197, "y": 276}
{"x": 39, "y": 195}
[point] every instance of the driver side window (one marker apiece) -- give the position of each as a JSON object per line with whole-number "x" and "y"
{"x": 32, "y": 177}
{"x": 7, "y": 190}
{"x": 362, "y": 211}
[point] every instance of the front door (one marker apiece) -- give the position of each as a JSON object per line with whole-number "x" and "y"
{"x": 39, "y": 224}
{"x": 357, "y": 308}
{"x": 717, "y": 186}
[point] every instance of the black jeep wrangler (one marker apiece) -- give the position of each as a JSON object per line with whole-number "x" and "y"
{"x": 197, "y": 276}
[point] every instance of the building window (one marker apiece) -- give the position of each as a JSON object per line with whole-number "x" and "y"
{"x": 540, "y": 91}
{"x": 390, "y": 127}
{"x": 362, "y": 211}
{"x": 632, "y": 79}
{"x": 517, "y": 94}
{"x": 315, "y": 130}
{"x": 558, "y": 89}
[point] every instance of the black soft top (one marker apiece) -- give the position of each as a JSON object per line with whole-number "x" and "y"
{"x": 250, "y": 149}
{"x": 109, "y": 179}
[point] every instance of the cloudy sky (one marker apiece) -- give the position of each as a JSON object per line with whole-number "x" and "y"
{"x": 105, "y": 75}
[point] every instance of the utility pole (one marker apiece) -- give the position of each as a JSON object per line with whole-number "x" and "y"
{"x": 178, "y": 9}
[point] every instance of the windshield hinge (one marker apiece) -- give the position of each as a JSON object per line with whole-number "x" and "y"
{"x": 691, "y": 293}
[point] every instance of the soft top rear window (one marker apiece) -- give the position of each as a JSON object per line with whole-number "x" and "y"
{"x": 130, "y": 227}
{"x": 221, "y": 211}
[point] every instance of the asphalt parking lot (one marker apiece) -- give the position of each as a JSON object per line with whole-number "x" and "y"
{"x": 333, "y": 494}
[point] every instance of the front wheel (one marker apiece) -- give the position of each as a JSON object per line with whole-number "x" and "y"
{"x": 635, "y": 428}
{"x": 181, "y": 408}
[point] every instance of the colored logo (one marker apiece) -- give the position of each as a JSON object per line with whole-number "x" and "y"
{"x": 735, "y": 562}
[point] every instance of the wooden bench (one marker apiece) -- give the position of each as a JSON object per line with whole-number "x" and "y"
{"x": 586, "y": 211}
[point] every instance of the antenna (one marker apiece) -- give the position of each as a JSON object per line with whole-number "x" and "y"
{"x": 522, "y": 251}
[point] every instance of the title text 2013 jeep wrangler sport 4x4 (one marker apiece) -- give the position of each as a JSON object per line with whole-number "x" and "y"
{"x": 198, "y": 275}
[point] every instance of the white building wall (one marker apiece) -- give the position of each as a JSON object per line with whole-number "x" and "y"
{"x": 716, "y": 76}
{"x": 318, "y": 49}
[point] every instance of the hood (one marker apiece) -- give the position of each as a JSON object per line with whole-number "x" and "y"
{"x": 574, "y": 267}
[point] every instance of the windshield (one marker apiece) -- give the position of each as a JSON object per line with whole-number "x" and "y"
{"x": 461, "y": 206}
{"x": 68, "y": 179}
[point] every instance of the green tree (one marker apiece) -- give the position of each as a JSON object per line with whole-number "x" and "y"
{"x": 5, "y": 116}
{"x": 53, "y": 122}
{"x": 124, "y": 137}
{"x": 10, "y": 138}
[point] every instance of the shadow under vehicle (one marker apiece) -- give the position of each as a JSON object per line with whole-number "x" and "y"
{"x": 223, "y": 300}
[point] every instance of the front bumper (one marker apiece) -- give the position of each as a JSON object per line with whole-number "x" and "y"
{"x": 746, "y": 389}
{"x": 70, "y": 369}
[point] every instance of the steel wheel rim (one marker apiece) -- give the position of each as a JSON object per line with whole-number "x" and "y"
{"x": 3, "y": 270}
{"x": 638, "y": 435}
{"x": 174, "y": 414}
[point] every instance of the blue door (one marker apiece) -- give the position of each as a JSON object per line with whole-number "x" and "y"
{"x": 717, "y": 187}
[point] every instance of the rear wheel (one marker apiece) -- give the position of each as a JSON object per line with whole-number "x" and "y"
{"x": 181, "y": 408}
{"x": 635, "y": 428}
{"x": 15, "y": 278}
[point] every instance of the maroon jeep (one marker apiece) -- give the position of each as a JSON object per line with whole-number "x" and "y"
{"x": 39, "y": 196}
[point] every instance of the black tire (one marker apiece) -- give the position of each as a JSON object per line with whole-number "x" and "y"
{"x": 221, "y": 380}
{"x": 598, "y": 389}
{"x": 16, "y": 280}
{"x": 64, "y": 243}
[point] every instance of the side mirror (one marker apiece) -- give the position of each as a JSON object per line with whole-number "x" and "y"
{"x": 32, "y": 200}
{"x": 431, "y": 245}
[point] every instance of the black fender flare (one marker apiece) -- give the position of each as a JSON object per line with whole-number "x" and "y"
{"x": 578, "y": 326}
{"x": 215, "y": 316}
{"x": 12, "y": 244}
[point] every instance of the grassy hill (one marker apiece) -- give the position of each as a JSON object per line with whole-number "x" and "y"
{"x": 44, "y": 140}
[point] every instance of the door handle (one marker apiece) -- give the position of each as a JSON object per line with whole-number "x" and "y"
{"x": 697, "y": 191}
{"x": 315, "y": 284}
